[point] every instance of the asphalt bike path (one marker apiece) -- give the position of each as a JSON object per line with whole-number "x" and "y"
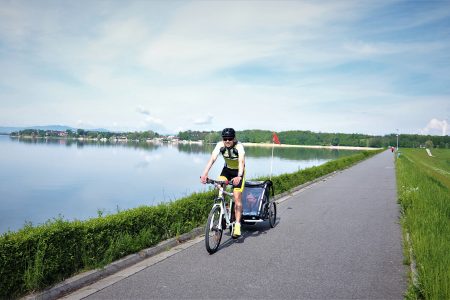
{"x": 339, "y": 238}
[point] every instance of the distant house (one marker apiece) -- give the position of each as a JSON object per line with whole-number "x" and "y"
{"x": 155, "y": 140}
{"x": 173, "y": 139}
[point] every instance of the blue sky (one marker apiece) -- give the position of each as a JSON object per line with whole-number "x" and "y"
{"x": 332, "y": 66}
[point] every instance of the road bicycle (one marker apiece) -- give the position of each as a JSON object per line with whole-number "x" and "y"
{"x": 221, "y": 216}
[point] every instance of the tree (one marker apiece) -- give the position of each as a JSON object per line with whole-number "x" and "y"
{"x": 80, "y": 132}
{"x": 335, "y": 141}
{"x": 41, "y": 133}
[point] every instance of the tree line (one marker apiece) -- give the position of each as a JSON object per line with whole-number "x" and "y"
{"x": 81, "y": 133}
{"x": 298, "y": 137}
{"x": 293, "y": 137}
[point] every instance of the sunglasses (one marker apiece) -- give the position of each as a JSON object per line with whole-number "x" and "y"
{"x": 228, "y": 139}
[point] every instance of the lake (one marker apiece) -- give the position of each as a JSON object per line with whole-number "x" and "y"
{"x": 42, "y": 180}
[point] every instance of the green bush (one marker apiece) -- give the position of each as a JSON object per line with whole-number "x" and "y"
{"x": 36, "y": 257}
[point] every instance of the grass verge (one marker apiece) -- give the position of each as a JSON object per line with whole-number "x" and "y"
{"x": 424, "y": 195}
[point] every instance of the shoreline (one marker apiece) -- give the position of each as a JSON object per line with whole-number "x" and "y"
{"x": 309, "y": 146}
{"x": 246, "y": 144}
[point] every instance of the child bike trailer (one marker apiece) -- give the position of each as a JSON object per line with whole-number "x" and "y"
{"x": 257, "y": 205}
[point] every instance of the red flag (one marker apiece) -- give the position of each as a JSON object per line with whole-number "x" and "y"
{"x": 275, "y": 139}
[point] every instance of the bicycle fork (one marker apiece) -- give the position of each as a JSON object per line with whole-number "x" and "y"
{"x": 225, "y": 215}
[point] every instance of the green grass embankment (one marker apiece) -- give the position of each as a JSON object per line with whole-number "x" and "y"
{"x": 424, "y": 195}
{"x": 37, "y": 257}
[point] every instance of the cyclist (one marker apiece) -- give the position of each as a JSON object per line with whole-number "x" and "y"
{"x": 234, "y": 170}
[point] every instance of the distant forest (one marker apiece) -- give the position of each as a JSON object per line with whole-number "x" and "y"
{"x": 297, "y": 137}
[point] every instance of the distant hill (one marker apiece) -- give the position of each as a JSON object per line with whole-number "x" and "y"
{"x": 8, "y": 130}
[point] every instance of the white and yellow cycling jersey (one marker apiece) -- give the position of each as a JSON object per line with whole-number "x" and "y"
{"x": 231, "y": 155}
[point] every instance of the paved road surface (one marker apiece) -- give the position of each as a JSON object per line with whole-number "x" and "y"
{"x": 337, "y": 239}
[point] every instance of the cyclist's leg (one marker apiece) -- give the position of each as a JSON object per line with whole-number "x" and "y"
{"x": 238, "y": 206}
{"x": 237, "y": 192}
{"x": 225, "y": 174}
{"x": 238, "y": 199}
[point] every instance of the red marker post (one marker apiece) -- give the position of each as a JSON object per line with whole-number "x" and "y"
{"x": 275, "y": 140}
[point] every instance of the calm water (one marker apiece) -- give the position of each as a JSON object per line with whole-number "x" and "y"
{"x": 42, "y": 180}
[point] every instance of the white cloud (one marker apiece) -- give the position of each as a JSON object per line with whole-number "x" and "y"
{"x": 440, "y": 125}
{"x": 152, "y": 120}
{"x": 143, "y": 111}
{"x": 152, "y": 123}
{"x": 85, "y": 124}
{"x": 216, "y": 35}
{"x": 204, "y": 120}
{"x": 362, "y": 48}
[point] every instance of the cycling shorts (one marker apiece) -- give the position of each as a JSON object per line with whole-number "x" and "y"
{"x": 230, "y": 174}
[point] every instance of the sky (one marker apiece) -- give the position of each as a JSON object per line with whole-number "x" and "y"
{"x": 371, "y": 67}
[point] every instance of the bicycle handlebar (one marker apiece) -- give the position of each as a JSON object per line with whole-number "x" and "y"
{"x": 219, "y": 182}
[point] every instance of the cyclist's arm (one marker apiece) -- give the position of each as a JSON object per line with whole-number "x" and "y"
{"x": 241, "y": 165}
{"x": 211, "y": 161}
{"x": 209, "y": 164}
{"x": 241, "y": 160}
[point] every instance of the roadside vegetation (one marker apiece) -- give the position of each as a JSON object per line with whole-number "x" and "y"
{"x": 424, "y": 195}
{"x": 34, "y": 258}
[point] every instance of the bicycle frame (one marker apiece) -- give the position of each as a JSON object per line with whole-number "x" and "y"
{"x": 221, "y": 202}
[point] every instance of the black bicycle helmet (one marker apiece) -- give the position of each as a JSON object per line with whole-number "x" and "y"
{"x": 228, "y": 132}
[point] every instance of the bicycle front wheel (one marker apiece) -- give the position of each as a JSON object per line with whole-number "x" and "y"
{"x": 213, "y": 230}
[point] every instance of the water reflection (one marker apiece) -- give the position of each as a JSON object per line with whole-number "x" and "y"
{"x": 291, "y": 153}
{"x": 93, "y": 143}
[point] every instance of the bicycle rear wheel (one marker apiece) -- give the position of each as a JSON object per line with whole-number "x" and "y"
{"x": 272, "y": 214}
{"x": 213, "y": 232}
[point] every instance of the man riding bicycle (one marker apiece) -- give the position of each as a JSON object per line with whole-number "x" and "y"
{"x": 233, "y": 170}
